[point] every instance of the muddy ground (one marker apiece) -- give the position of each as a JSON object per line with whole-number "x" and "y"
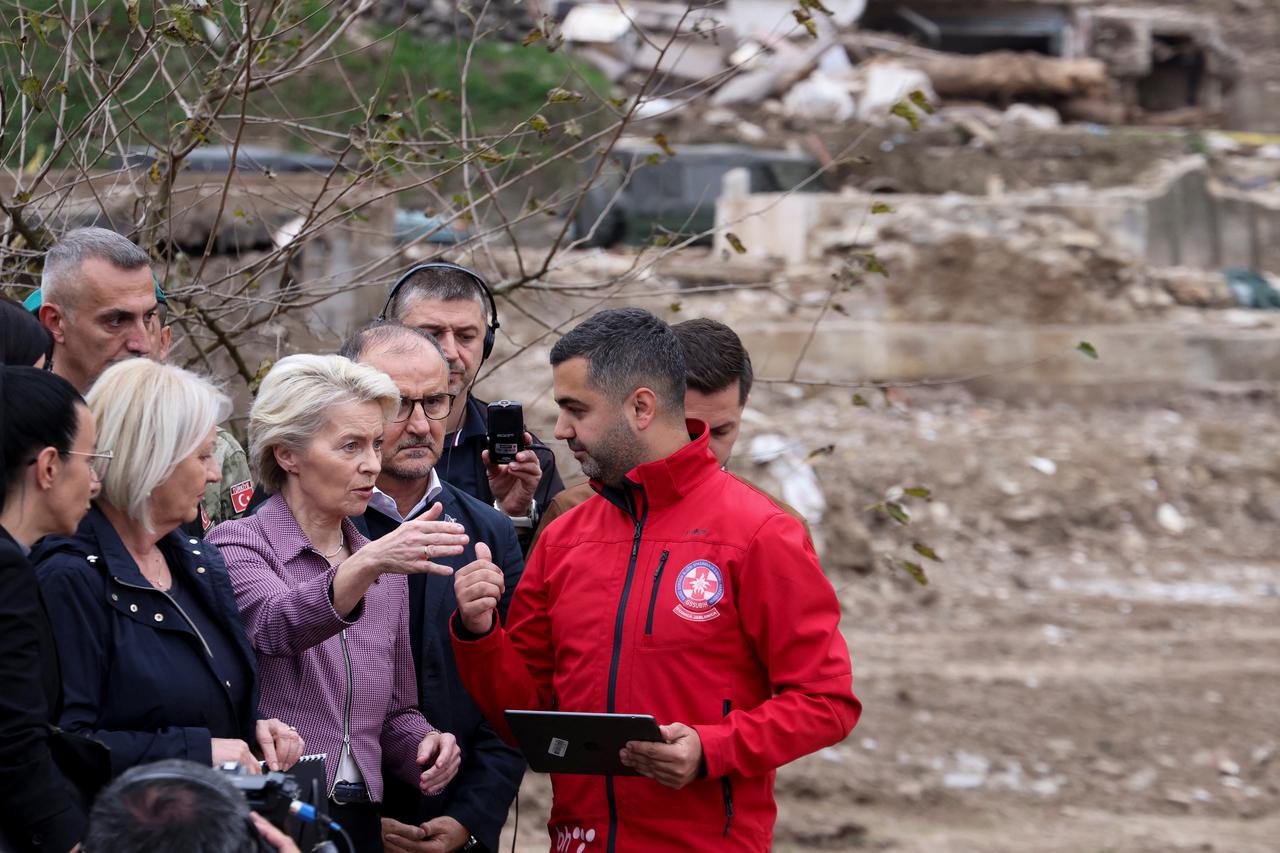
{"x": 1093, "y": 667}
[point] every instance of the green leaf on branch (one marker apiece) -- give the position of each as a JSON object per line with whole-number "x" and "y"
{"x": 534, "y": 36}
{"x": 131, "y": 6}
{"x": 734, "y": 241}
{"x": 925, "y": 551}
{"x": 805, "y": 20}
{"x": 918, "y": 492}
{"x": 1088, "y": 349}
{"x": 540, "y": 124}
{"x": 814, "y": 6}
{"x": 904, "y": 110}
{"x": 31, "y": 89}
{"x": 560, "y": 96}
{"x": 435, "y": 94}
{"x": 661, "y": 140}
{"x": 180, "y": 28}
{"x": 264, "y": 367}
{"x": 859, "y": 400}
{"x": 914, "y": 569}
{"x": 41, "y": 25}
{"x": 872, "y": 263}
{"x": 920, "y": 100}
{"x": 880, "y": 207}
{"x": 897, "y": 512}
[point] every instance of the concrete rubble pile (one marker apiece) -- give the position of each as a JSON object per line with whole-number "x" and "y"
{"x": 1083, "y": 60}
{"x": 1088, "y": 255}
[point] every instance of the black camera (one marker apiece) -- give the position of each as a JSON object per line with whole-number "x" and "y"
{"x": 506, "y": 431}
{"x": 292, "y": 802}
{"x": 268, "y": 794}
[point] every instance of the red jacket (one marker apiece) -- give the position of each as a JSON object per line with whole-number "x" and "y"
{"x": 692, "y": 598}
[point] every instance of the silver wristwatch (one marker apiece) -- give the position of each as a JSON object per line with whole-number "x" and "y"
{"x": 522, "y": 522}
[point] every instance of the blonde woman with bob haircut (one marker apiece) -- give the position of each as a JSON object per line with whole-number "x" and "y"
{"x": 326, "y": 610}
{"x": 155, "y": 662}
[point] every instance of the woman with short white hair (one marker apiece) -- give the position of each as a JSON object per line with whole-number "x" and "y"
{"x": 326, "y": 610}
{"x": 155, "y": 662}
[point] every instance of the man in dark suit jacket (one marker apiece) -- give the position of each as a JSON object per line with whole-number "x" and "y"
{"x": 470, "y": 813}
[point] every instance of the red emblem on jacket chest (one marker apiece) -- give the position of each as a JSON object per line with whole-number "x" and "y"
{"x": 699, "y": 587}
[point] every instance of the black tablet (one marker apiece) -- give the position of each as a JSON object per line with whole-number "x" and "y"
{"x": 569, "y": 742}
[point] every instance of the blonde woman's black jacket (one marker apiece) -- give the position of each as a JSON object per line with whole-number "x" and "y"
{"x": 136, "y": 674}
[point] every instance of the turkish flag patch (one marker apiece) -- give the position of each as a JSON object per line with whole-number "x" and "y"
{"x": 241, "y": 494}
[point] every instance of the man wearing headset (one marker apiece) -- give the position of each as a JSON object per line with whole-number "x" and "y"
{"x": 450, "y": 303}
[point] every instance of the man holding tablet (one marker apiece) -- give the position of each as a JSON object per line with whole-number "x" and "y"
{"x": 678, "y": 591}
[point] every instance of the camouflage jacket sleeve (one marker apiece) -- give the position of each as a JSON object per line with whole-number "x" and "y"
{"x": 230, "y": 496}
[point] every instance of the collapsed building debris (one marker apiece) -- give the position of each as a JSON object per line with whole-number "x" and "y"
{"x": 1091, "y": 62}
{"x": 1077, "y": 249}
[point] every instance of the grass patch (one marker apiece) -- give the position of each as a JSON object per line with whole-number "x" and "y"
{"x": 411, "y": 88}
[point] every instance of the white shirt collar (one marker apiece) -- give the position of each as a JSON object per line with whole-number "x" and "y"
{"x": 386, "y": 505}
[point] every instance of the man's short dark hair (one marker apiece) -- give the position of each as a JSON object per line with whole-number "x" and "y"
{"x": 189, "y": 808}
{"x": 445, "y": 285}
{"x": 714, "y": 357}
{"x": 398, "y": 339}
{"x": 628, "y": 348}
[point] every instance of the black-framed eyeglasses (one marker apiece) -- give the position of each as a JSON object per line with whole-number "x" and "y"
{"x": 435, "y": 406}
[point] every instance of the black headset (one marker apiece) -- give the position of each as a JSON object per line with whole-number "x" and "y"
{"x": 491, "y": 328}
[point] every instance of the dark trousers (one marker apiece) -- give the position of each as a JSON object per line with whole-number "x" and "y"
{"x": 363, "y": 824}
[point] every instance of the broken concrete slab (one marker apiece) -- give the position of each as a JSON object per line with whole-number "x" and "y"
{"x": 819, "y": 98}
{"x": 881, "y": 85}
{"x": 776, "y": 75}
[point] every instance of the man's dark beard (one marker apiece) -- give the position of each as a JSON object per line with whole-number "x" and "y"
{"x": 615, "y": 453}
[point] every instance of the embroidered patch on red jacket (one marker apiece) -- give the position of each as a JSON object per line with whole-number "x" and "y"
{"x": 699, "y": 587}
{"x": 241, "y": 494}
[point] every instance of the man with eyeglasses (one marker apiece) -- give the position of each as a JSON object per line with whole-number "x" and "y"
{"x": 470, "y": 813}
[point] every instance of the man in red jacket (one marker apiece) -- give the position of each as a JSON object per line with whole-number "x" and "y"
{"x": 678, "y": 591}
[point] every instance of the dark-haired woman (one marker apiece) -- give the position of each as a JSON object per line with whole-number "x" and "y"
{"x": 22, "y": 339}
{"x": 47, "y": 478}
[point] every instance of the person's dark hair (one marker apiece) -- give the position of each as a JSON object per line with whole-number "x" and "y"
{"x": 37, "y": 410}
{"x": 714, "y": 357}
{"x": 398, "y": 338}
{"x": 171, "y": 806}
{"x": 628, "y": 348}
{"x": 445, "y": 285}
{"x": 22, "y": 338}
